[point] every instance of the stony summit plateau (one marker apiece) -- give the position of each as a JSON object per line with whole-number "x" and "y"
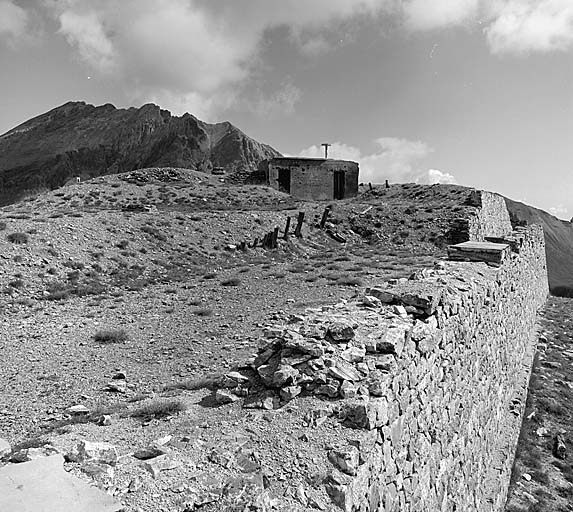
{"x": 179, "y": 335}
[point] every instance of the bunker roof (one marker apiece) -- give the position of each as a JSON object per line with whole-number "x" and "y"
{"x": 308, "y": 159}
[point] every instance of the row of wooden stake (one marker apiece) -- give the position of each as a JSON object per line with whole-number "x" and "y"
{"x": 270, "y": 240}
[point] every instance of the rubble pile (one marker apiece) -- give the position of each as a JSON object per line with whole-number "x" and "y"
{"x": 163, "y": 174}
{"x": 335, "y": 357}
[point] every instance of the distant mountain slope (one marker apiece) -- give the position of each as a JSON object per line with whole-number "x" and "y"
{"x": 558, "y": 242}
{"x": 81, "y": 139}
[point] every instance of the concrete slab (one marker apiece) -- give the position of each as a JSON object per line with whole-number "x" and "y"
{"x": 488, "y": 252}
{"x": 42, "y": 485}
{"x": 481, "y": 246}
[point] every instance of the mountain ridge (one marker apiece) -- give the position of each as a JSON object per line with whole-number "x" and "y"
{"x": 78, "y": 138}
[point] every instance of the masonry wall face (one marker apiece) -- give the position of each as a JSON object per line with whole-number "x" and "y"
{"x": 450, "y": 439}
{"x": 313, "y": 179}
{"x": 488, "y": 218}
{"x": 440, "y": 387}
{"x": 491, "y": 219}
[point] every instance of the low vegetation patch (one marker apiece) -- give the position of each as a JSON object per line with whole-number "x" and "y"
{"x": 18, "y": 238}
{"x": 203, "y": 312}
{"x": 349, "y": 281}
{"x": 158, "y": 409}
{"x": 111, "y": 336}
{"x": 233, "y": 281}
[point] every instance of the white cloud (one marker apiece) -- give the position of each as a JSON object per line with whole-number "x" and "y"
{"x": 196, "y": 49}
{"x": 207, "y": 55}
{"x": 559, "y": 211}
{"x": 337, "y": 150}
{"x": 87, "y": 34}
{"x": 396, "y": 160}
{"x": 434, "y": 176}
{"x": 282, "y": 101}
{"x": 425, "y": 15}
{"x": 13, "y": 21}
{"x": 522, "y": 26}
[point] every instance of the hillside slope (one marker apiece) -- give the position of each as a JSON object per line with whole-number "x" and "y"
{"x": 81, "y": 139}
{"x": 558, "y": 242}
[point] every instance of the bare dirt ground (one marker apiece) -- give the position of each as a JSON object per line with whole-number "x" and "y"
{"x": 152, "y": 257}
{"x": 542, "y": 477}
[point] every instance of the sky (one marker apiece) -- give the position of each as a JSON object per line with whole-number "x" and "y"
{"x": 474, "y": 92}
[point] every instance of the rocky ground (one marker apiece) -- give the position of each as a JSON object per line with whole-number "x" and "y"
{"x": 543, "y": 474}
{"x": 121, "y": 294}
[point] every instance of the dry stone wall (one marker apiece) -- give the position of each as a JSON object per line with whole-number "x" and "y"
{"x": 429, "y": 373}
{"x": 489, "y": 218}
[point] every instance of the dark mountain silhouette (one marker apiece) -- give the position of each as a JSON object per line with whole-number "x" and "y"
{"x": 558, "y": 244}
{"x": 78, "y": 139}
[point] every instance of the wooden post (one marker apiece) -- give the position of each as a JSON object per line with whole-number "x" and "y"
{"x": 324, "y": 217}
{"x": 287, "y": 227}
{"x": 243, "y": 246}
{"x": 559, "y": 448}
{"x": 386, "y": 184}
{"x": 370, "y": 186}
{"x": 297, "y": 231}
{"x": 275, "y": 238}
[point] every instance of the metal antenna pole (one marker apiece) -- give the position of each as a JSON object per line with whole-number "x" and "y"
{"x": 326, "y": 145}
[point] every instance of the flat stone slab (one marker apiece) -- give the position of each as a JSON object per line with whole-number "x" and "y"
{"x": 42, "y": 485}
{"x": 479, "y": 251}
{"x": 481, "y": 246}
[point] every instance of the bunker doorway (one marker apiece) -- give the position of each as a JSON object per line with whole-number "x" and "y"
{"x": 284, "y": 180}
{"x": 339, "y": 185}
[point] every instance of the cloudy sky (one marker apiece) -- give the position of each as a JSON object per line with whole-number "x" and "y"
{"x": 479, "y": 92}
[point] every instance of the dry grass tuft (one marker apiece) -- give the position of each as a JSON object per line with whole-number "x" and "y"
{"x": 157, "y": 409}
{"x": 18, "y": 238}
{"x": 233, "y": 281}
{"x": 111, "y": 336}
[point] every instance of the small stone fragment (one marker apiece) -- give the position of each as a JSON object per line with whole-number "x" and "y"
{"x": 162, "y": 441}
{"x": 116, "y": 386}
{"x": 339, "y": 489}
{"x": 400, "y": 310}
{"x": 223, "y": 396}
{"x": 99, "y": 472}
{"x": 368, "y": 414}
{"x": 285, "y": 374}
{"x": 96, "y": 452}
{"x": 29, "y": 454}
{"x": 346, "y": 459}
{"x": 344, "y": 372}
{"x": 290, "y": 392}
{"x": 559, "y": 448}
{"x": 330, "y": 389}
{"x": 353, "y": 354}
{"x": 393, "y": 341}
{"x": 371, "y": 301}
{"x": 301, "y": 495}
{"x": 77, "y": 410}
{"x": 5, "y": 448}
{"x": 348, "y": 390}
{"x": 382, "y": 295}
{"x": 104, "y": 420}
{"x": 150, "y": 452}
{"x": 134, "y": 485}
{"x": 426, "y": 335}
{"x": 162, "y": 463}
{"x": 238, "y": 377}
{"x": 386, "y": 363}
{"x": 340, "y": 331}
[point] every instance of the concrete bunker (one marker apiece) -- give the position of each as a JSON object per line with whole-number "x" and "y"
{"x": 314, "y": 178}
